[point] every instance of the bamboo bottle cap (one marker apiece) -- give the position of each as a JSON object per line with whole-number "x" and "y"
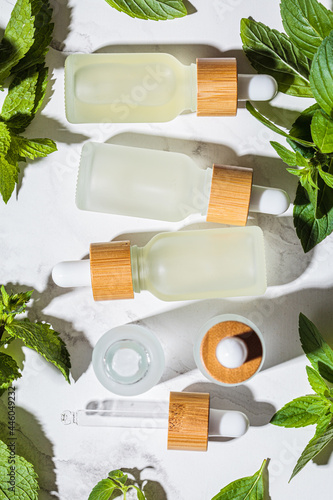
{"x": 230, "y": 195}
{"x": 217, "y": 87}
{"x": 111, "y": 273}
{"x": 188, "y": 421}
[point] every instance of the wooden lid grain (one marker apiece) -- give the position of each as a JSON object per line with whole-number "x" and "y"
{"x": 188, "y": 421}
{"x": 230, "y": 194}
{"x": 111, "y": 273}
{"x": 217, "y": 87}
{"x": 210, "y": 342}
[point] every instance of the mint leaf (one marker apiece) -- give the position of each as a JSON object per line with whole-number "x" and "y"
{"x": 307, "y": 22}
{"x": 316, "y": 381}
{"x": 5, "y": 139}
{"x": 250, "y": 488}
{"x": 271, "y": 52}
{"x": 327, "y": 178}
{"x": 321, "y": 75}
{"x": 8, "y": 178}
{"x": 42, "y": 38}
{"x": 323, "y": 423}
{"x": 139, "y": 493}
{"x": 9, "y": 371}
{"x": 17, "y": 39}
{"x": 44, "y": 340}
{"x": 316, "y": 349}
{"x": 315, "y": 446}
{"x": 150, "y": 9}
{"x": 322, "y": 132}
{"x": 25, "y": 96}
{"x": 13, "y": 304}
{"x": 301, "y": 129}
{"x": 103, "y": 490}
{"x": 301, "y": 412}
{"x": 311, "y": 227}
{"x": 26, "y": 485}
{"x": 6, "y": 341}
{"x": 254, "y": 112}
{"x": 289, "y": 157}
{"x": 118, "y": 475}
{"x": 33, "y": 148}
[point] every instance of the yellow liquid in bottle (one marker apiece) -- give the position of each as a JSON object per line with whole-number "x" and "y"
{"x": 205, "y": 264}
{"x": 127, "y": 88}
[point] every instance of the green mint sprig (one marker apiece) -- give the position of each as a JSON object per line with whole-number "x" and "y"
{"x": 251, "y": 488}
{"x": 116, "y": 481}
{"x": 301, "y": 61}
{"x": 37, "y": 336}
{"x": 156, "y": 10}
{"x": 26, "y": 485}
{"x": 314, "y": 409}
{"x": 22, "y": 57}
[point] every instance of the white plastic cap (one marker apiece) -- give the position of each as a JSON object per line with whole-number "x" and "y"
{"x": 72, "y": 273}
{"x": 230, "y": 424}
{"x": 231, "y": 352}
{"x": 256, "y": 87}
{"x": 269, "y": 200}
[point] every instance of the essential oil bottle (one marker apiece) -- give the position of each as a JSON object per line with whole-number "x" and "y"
{"x": 155, "y": 87}
{"x": 169, "y": 186}
{"x": 184, "y": 265}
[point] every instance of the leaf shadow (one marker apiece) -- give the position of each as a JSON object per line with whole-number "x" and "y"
{"x": 77, "y": 344}
{"x": 324, "y": 456}
{"x": 62, "y": 18}
{"x": 189, "y": 7}
{"x": 34, "y": 446}
{"x": 56, "y": 130}
{"x": 282, "y": 117}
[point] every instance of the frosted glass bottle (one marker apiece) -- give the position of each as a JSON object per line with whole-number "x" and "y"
{"x": 169, "y": 186}
{"x": 184, "y": 265}
{"x": 153, "y": 87}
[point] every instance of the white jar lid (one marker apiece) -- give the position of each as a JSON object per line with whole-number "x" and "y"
{"x": 128, "y": 360}
{"x": 229, "y": 350}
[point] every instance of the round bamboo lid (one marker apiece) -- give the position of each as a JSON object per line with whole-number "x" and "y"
{"x": 230, "y": 195}
{"x": 110, "y": 268}
{"x": 188, "y": 421}
{"x": 210, "y": 362}
{"x": 217, "y": 87}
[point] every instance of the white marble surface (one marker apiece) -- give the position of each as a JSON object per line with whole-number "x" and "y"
{"x": 41, "y": 226}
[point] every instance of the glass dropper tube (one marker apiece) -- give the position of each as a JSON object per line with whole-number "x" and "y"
{"x": 135, "y": 414}
{"x": 155, "y": 415}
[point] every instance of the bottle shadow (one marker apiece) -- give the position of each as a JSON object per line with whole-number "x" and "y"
{"x": 34, "y": 446}
{"x": 239, "y": 398}
{"x": 77, "y": 344}
{"x": 285, "y": 258}
{"x": 277, "y": 319}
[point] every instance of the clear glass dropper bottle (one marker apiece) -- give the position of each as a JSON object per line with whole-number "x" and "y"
{"x": 188, "y": 418}
{"x": 154, "y": 87}
{"x": 169, "y": 186}
{"x": 184, "y": 265}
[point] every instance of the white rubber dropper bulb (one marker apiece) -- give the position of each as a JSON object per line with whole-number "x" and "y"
{"x": 256, "y": 87}
{"x": 266, "y": 200}
{"x": 231, "y": 352}
{"x": 72, "y": 273}
{"x": 232, "y": 424}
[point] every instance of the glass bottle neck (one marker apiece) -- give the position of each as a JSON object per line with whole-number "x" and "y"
{"x": 190, "y": 87}
{"x": 138, "y": 268}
